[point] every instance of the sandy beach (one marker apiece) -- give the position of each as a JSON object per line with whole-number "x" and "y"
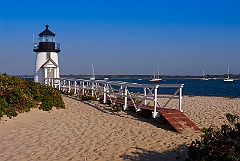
{"x": 87, "y": 131}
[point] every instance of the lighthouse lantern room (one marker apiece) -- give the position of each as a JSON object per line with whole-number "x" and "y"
{"x": 46, "y": 65}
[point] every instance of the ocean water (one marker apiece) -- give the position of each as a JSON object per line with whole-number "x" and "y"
{"x": 195, "y": 87}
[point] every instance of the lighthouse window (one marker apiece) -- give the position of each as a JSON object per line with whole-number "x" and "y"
{"x": 48, "y": 55}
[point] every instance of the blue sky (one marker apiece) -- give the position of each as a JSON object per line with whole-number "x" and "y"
{"x": 124, "y": 36}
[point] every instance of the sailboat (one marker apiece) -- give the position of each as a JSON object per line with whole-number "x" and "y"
{"x": 228, "y": 79}
{"x": 155, "y": 77}
{"x": 93, "y": 75}
{"x": 204, "y": 76}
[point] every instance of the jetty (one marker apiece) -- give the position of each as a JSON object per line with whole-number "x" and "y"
{"x": 119, "y": 92}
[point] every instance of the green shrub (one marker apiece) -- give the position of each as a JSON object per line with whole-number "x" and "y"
{"x": 220, "y": 144}
{"x": 17, "y": 96}
{"x": 68, "y": 93}
{"x": 87, "y": 97}
{"x": 137, "y": 100}
{"x": 50, "y": 98}
{"x": 116, "y": 107}
{"x": 121, "y": 97}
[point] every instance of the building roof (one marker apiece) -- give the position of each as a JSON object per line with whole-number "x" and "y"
{"x": 48, "y": 61}
{"x": 47, "y": 32}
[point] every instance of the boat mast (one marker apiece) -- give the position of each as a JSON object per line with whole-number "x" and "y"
{"x": 93, "y": 75}
{"x": 228, "y": 72}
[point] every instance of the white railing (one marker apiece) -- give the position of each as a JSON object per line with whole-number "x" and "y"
{"x": 115, "y": 89}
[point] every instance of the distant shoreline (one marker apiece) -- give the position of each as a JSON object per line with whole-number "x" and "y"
{"x": 233, "y": 76}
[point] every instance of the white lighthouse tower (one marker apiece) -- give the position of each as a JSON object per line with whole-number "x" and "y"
{"x": 46, "y": 66}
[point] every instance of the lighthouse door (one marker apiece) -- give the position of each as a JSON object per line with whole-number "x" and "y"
{"x": 50, "y": 75}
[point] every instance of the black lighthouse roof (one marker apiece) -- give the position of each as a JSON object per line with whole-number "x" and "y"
{"x": 47, "y": 32}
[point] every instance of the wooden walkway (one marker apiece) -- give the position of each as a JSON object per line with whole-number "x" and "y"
{"x": 112, "y": 91}
{"x": 177, "y": 119}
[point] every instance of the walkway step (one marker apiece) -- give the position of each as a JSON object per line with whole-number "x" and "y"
{"x": 180, "y": 122}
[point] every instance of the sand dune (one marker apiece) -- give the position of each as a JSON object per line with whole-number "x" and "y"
{"x": 87, "y": 131}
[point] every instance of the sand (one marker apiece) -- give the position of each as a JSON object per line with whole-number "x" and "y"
{"x": 87, "y": 131}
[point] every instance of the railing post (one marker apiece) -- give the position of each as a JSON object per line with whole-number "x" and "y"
{"x": 92, "y": 89}
{"x": 83, "y": 88}
{"x": 75, "y": 87}
{"x": 125, "y": 107}
{"x": 64, "y": 85}
{"x": 69, "y": 86}
{"x": 155, "y": 113}
{"x": 59, "y": 84}
{"x": 145, "y": 94}
{"x": 52, "y": 82}
{"x": 180, "y": 99}
{"x": 104, "y": 93}
{"x": 121, "y": 90}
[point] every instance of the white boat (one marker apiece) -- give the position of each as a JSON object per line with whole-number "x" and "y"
{"x": 93, "y": 75}
{"x": 204, "y": 76}
{"x": 155, "y": 77}
{"x": 228, "y": 78}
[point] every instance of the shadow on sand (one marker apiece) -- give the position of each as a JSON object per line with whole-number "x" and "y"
{"x": 178, "y": 154}
{"x": 144, "y": 116}
{"x": 140, "y": 154}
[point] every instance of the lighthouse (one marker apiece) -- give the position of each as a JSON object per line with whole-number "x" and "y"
{"x": 46, "y": 65}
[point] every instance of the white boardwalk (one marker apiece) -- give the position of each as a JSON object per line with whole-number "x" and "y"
{"x": 113, "y": 90}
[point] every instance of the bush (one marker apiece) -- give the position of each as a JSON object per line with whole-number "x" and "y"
{"x": 87, "y": 97}
{"x": 116, "y": 107}
{"x": 71, "y": 93}
{"x": 17, "y": 96}
{"x": 221, "y": 144}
